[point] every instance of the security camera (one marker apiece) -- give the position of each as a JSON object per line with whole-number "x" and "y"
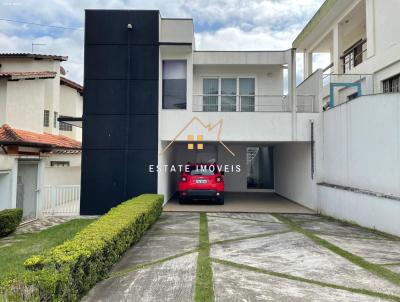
{"x": 129, "y": 26}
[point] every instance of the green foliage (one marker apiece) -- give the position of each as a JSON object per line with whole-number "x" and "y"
{"x": 9, "y": 220}
{"x": 68, "y": 271}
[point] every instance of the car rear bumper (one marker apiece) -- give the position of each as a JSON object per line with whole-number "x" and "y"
{"x": 201, "y": 194}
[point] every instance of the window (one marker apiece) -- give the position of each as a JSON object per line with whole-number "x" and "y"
{"x": 247, "y": 94}
{"x": 174, "y": 84}
{"x": 391, "y": 85}
{"x": 352, "y": 96}
{"x": 229, "y": 94}
{"x": 210, "y": 94}
{"x": 46, "y": 118}
{"x": 55, "y": 119}
{"x": 65, "y": 127}
{"x": 59, "y": 163}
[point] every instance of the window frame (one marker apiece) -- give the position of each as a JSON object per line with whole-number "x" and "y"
{"x": 46, "y": 118}
{"x": 230, "y": 76}
{"x": 162, "y": 83}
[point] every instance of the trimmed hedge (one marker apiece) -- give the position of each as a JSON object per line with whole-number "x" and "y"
{"x": 68, "y": 271}
{"x": 9, "y": 220}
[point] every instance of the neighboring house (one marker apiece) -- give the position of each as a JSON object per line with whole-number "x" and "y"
{"x": 342, "y": 162}
{"x": 362, "y": 38}
{"x": 37, "y": 152}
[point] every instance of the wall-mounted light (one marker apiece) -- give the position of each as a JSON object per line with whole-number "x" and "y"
{"x": 129, "y": 26}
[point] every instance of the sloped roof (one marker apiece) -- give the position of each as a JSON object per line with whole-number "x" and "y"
{"x": 72, "y": 84}
{"x": 33, "y": 56}
{"x": 13, "y": 136}
{"x": 17, "y": 75}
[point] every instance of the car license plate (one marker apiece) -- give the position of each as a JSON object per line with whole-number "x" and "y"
{"x": 201, "y": 181}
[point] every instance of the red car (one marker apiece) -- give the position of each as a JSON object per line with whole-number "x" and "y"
{"x": 201, "y": 182}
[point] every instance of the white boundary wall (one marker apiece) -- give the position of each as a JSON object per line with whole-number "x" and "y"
{"x": 361, "y": 149}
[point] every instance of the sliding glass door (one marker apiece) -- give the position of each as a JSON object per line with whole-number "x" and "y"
{"x": 228, "y": 94}
{"x": 247, "y": 91}
{"x": 210, "y": 94}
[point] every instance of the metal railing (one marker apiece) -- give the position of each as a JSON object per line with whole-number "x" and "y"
{"x": 354, "y": 56}
{"x": 61, "y": 200}
{"x": 250, "y": 103}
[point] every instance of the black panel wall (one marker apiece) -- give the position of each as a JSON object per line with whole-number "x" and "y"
{"x": 120, "y": 108}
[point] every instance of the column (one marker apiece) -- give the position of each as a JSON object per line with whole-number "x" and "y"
{"x": 308, "y": 63}
{"x": 292, "y": 90}
{"x": 337, "y": 48}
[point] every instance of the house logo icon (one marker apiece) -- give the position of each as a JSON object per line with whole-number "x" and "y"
{"x": 199, "y": 143}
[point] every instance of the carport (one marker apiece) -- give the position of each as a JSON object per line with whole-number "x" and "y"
{"x": 272, "y": 176}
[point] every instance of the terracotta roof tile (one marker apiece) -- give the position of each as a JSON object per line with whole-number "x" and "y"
{"x": 15, "y": 136}
{"x": 33, "y": 56}
{"x": 72, "y": 84}
{"x": 28, "y": 75}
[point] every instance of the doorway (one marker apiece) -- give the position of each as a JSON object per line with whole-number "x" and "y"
{"x": 27, "y": 188}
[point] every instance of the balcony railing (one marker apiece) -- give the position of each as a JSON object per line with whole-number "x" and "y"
{"x": 250, "y": 103}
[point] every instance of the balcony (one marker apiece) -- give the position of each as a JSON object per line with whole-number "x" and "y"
{"x": 250, "y": 103}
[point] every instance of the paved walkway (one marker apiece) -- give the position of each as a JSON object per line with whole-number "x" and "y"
{"x": 255, "y": 257}
{"x": 236, "y": 202}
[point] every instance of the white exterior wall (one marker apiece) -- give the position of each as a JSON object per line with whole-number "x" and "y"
{"x": 366, "y": 210}
{"x": 62, "y": 176}
{"x": 71, "y": 103}
{"x": 361, "y": 149}
{"x": 8, "y": 181}
{"x": 292, "y": 173}
{"x": 25, "y": 104}
{"x": 73, "y": 159}
{"x": 50, "y": 95}
{"x": 362, "y": 144}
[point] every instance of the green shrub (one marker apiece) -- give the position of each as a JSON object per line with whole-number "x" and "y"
{"x": 68, "y": 271}
{"x": 9, "y": 220}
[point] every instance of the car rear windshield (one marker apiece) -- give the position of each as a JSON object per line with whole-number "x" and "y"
{"x": 202, "y": 170}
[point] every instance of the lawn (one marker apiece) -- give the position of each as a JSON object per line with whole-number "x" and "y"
{"x": 12, "y": 257}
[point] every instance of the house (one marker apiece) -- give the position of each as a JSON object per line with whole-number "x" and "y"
{"x": 37, "y": 152}
{"x": 172, "y": 104}
{"x": 362, "y": 40}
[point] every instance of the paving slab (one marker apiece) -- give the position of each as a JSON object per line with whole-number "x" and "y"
{"x": 171, "y": 235}
{"x": 372, "y": 250}
{"x": 255, "y": 217}
{"x": 233, "y": 284}
{"x": 172, "y": 280}
{"x": 394, "y": 268}
{"x": 329, "y": 227}
{"x": 293, "y": 253}
{"x": 221, "y": 228}
{"x": 176, "y": 223}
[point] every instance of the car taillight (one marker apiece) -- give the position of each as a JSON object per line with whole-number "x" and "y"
{"x": 183, "y": 179}
{"x": 219, "y": 179}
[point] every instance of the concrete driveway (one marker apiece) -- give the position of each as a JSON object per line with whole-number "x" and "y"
{"x": 255, "y": 257}
{"x": 241, "y": 202}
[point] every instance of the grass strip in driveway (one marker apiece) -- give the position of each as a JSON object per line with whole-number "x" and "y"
{"x": 305, "y": 280}
{"x": 204, "y": 276}
{"x": 376, "y": 269}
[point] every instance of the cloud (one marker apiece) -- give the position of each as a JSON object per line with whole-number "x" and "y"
{"x": 219, "y": 24}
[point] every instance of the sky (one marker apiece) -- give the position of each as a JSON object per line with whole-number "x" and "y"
{"x": 219, "y": 25}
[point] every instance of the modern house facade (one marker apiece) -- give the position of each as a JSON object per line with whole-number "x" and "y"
{"x": 37, "y": 152}
{"x": 152, "y": 102}
{"x": 162, "y": 90}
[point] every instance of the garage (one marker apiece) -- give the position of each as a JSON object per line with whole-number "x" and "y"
{"x": 259, "y": 177}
